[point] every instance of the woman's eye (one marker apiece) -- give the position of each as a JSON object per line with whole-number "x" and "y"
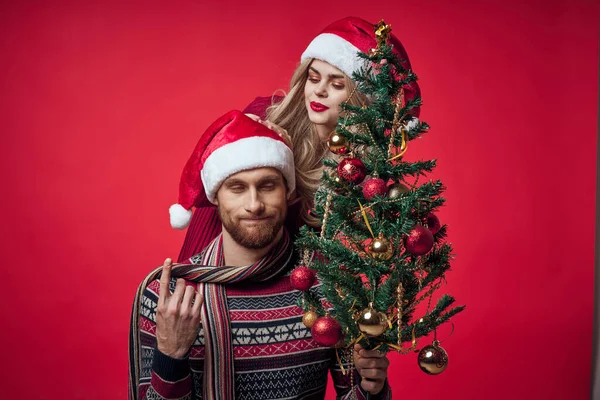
{"x": 338, "y": 86}
{"x": 313, "y": 79}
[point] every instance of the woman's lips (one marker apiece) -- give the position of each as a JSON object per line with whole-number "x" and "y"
{"x": 318, "y": 107}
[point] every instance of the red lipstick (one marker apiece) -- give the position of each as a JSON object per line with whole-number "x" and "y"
{"x": 318, "y": 107}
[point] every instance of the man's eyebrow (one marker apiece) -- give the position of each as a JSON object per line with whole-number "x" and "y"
{"x": 270, "y": 178}
{"x": 231, "y": 182}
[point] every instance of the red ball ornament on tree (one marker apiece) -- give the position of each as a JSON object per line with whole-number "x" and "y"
{"x": 351, "y": 170}
{"x": 374, "y": 187}
{"x": 302, "y": 278}
{"x": 433, "y": 223}
{"x": 419, "y": 241}
{"x": 326, "y": 331}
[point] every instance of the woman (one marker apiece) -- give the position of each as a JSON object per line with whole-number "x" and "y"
{"x": 309, "y": 113}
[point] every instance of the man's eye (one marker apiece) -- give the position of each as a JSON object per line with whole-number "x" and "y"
{"x": 268, "y": 187}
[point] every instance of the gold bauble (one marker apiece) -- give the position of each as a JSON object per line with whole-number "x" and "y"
{"x": 380, "y": 249}
{"x": 309, "y": 318}
{"x": 433, "y": 359}
{"x": 372, "y": 322}
{"x": 337, "y": 143}
{"x": 396, "y": 190}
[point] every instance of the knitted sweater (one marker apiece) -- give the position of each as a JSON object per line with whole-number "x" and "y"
{"x": 275, "y": 356}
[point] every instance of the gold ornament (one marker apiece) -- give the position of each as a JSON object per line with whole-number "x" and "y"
{"x": 309, "y": 318}
{"x": 396, "y": 190}
{"x": 372, "y": 322}
{"x": 433, "y": 359}
{"x": 340, "y": 292}
{"x": 382, "y": 32}
{"x": 380, "y": 249}
{"x": 337, "y": 143}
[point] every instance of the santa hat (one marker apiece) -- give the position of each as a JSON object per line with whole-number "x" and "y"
{"x": 339, "y": 43}
{"x": 232, "y": 144}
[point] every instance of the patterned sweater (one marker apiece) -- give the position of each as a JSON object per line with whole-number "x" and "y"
{"x": 275, "y": 356}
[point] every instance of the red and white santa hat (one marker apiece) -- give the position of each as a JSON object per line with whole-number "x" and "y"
{"x": 339, "y": 43}
{"x": 232, "y": 144}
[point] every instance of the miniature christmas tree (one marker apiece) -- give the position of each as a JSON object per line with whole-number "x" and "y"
{"x": 381, "y": 251}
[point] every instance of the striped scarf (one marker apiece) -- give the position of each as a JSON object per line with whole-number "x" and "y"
{"x": 208, "y": 269}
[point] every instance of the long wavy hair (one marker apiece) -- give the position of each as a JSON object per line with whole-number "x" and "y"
{"x": 309, "y": 150}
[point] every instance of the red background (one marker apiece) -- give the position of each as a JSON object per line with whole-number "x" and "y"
{"x": 102, "y": 103}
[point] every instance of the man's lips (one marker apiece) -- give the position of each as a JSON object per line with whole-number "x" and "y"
{"x": 318, "y": 107}
{"x": 257, "y": 219}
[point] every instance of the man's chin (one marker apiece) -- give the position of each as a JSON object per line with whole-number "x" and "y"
{"x": 257, "y": 236}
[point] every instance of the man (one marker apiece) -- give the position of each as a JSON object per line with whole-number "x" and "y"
{"x": 229, "y": 326}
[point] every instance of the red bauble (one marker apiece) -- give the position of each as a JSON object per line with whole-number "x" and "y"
{"x": 433, "y": 223}
{"x": 351, "y": 170}
{"x": 374, "y": 187}
{"x": 419, "y": 241}
{"x": 326, "y": 331}
{"x": 302, "y": 278}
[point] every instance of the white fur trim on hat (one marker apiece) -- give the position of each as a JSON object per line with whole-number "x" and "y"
{"x": 336, "y": 51}
{"x": 179, "y": 216}
{"x": 244, "y": 154}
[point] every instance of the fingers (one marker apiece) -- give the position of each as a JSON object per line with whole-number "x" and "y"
{"x": 362, "y": 352}
{"x": 186, "y": 302}
{"x": 198, "y": 300}
{"x": 372, "y": 387}
{"x": 362, "y": 362}
{"x": 177, "y": 295}
{"x": 253, "y": 117}
{"x": 164, "y": 281}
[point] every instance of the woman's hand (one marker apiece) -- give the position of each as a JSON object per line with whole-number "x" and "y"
{"x": 372, "y": 366}
{"x": 274, "y": 127}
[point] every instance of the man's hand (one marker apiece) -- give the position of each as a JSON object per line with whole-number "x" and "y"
{"x": 177, "y": 315}
{"x": 372, "y": 366}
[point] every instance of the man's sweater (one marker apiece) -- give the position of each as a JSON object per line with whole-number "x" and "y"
{"x": 275, "y": 356}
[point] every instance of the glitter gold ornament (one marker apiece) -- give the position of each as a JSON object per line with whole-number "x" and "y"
{"x": 309, "y": 318}
{"x": 380, "y": 249}
{"x": 395, "y": 190}
{"x": 337, "y": 143}
{"x": 433, "y": 359}
{"x": 372, "y": 322}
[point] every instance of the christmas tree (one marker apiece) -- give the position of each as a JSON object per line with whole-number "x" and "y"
{"x": 382, "y": 250}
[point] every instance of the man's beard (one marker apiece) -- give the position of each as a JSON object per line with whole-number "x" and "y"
{"x": 258, "y": 236}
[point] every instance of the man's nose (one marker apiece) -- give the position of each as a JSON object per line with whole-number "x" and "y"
{"x": 254, "y": 202}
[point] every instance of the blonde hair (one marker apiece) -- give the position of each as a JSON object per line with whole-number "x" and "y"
{"x": 309, "y": 150}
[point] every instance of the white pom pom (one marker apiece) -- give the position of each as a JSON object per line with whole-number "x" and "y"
{"x": 180, "y": 217}
{"x": 413, "y": 123}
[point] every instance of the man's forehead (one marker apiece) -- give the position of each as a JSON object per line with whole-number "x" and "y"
{"x": 255, "y": 174}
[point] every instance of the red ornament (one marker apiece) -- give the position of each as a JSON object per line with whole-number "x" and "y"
{"x": 433, "y": 223}
{"x": 419, "y": 241}
{"x": 326, "y": 331}
{"x": 302, "y": 278}
{"x": 351, "y": 170}
{"x": 374, "y": 187}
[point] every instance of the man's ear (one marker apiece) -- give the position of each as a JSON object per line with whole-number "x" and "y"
{"x": 291, "y": 197}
